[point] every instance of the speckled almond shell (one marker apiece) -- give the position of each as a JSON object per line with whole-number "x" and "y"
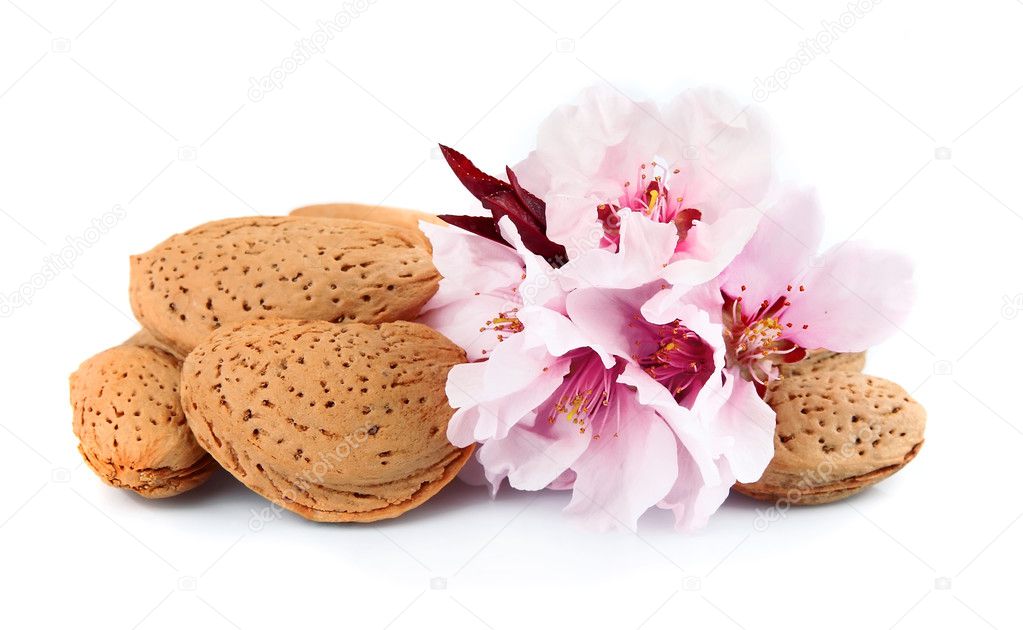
{"x": 236, "y": 270}
{"x": 837, "y": 433}
{"x": 145, "y": 339}
{"x": 129, "y": 423}
{"x": 825, "y": 361}
{"x": 336, "y": 422}
{"x": 408, "y": 219}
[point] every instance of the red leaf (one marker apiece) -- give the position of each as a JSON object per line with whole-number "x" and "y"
{"x": 534, "y": 204}
{"x": 497, "y": 196}
{"x": 524, "y": 209}
{"x": 483, "y": 226}
{"x": 476, "y": 181}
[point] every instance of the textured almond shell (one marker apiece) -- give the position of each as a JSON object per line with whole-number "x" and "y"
{"x": 145, "y": 339}
{"x": 825, "y": 361}
{"x": 129, "y": 423}
{"x": 296, "y": 267}
{"x": 399, "y": 217}
{"x": 336, "y": 422}
{"x": 836, "y": 434}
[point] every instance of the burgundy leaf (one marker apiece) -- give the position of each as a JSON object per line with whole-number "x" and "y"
{"x": 534, "y": 204}
{"x": 521, "y": 207}
{"x": 482, "y": 226}
{"x": 537, "y": 242}
{"x": 497, "y": 196}
{"x": 476, "y": 181}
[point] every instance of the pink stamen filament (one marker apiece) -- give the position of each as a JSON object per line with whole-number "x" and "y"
{"x": 583, "y": 398}
{"x": 651, "y": 198}
{"x": 505, "y": 323}
{"x": 681, "y": 360}
{"x": 757, "y": 342}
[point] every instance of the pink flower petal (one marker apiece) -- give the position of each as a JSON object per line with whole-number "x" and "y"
{"x": 478, "y": 283}
{"x": 538, "y": 286}
{"x": 710, "y": 247}
{"x": 686, "y": 426}
{"x": 692, "y": 500}
{"x": 572, "y": 221}
{"x": 558, "y": 334}
{"x": 728, "y": 145}
{"x": 464, "y": 423}
{"x": 607, "y": 318}
{"x": 513, "y": 367}
{"x": 695, "y": 318}
{"x": 784, "y": 244}
{"x": 534, "y": 456}
{"x": 469, "y": 263}
{"x": 743, "y": 425}
{"x": 464, "y": 321}
{"x": 645, "y": 247}
{"x": 533, "y": 175}
{"x": 486, "y": 408}
{"x": 854, "y": 300}
{"x": 619, "y": 477}
{"x": 564, "y": 482}
{"x": 574, "y": 138}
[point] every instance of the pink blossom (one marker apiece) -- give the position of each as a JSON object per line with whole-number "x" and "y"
{"x": 483, "y": 285}
{"x": 779, "y": 298}
{"x": 621, "y": 411}
{"x": 697, "y": 166}
{"x": 627, "y": 364}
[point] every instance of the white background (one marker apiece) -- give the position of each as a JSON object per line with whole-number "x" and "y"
{"x": 910, "y": 125}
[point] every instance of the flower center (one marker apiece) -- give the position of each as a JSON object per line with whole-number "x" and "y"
{"x": 651, "y": 197}
{"x": 585, "y": 394}
{"x": 756, "y": 342}
{"x": 682, "y": 361}
{"x": 505, "y": 324}
{"x": 759, "y": 336}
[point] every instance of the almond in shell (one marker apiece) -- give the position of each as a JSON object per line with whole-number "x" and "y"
{"x": 130, "y": 425}
{"x": 336, "y": 422}
{"x": 398, "y": 217}
{"x": 825, "y": 361}
{"x": 837, "y": 433}
{"x": 295, "y": 267}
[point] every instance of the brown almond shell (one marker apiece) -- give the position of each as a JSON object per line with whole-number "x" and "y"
{"x": 131, "y": 429}
{"x": 335, "y": 422}
{"x": 837, "y": 433}
{"x": 238, "y": 270}
{"x": 397, "y": 217}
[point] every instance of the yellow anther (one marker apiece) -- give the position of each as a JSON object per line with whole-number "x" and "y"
{"x": 653, "y": 201}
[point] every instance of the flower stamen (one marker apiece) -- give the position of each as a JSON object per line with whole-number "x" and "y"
{"x": 506, "y": 323}
{"x": 682, "y": 361}
{"x": 584, "y": 396}
{"x": 653, "y": 199}
{"x": 756, "y": 342}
